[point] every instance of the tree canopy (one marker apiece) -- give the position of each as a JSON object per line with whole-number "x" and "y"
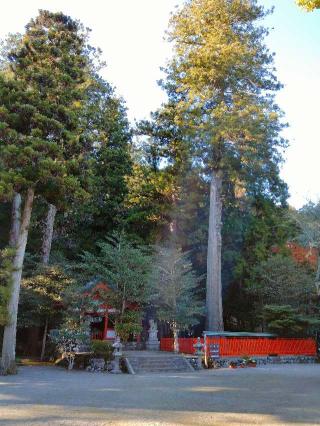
{"x": 41, "y": 102}
{"x": 309, "y": 5}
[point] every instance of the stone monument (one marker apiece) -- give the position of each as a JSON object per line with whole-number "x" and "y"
{"x": 153, "y": 343}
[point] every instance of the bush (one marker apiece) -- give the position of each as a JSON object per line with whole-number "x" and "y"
{"x": 130, "y": 324}
{"x": 69, "y": 339}
{"x": 102, "y": 349}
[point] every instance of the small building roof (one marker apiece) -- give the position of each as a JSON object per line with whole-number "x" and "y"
{"x": 236, "y": 334}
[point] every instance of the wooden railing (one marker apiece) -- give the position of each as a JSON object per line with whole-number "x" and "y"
{"x": 233, "y": 346}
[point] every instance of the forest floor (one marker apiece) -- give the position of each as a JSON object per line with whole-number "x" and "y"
{"x": 268, "y": 395}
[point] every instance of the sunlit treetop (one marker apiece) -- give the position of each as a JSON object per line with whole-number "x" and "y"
{"x": 42, "y": 98}
{"x": 309, "y": 5}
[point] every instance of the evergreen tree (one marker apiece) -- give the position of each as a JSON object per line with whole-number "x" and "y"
{"x": 104, "y": 128}
{"x": 125, "y": 268}
{"x": 41, "y": 152}
{"x": 252, "y": 230}
{"x": 174, "y": 291}
{"x": 279, "y": 280}
{"x": 287, "y": 321}
{"x": 41, "y": 301}
{"x": 223, "y": 77}
{"x": 106, "y": 125}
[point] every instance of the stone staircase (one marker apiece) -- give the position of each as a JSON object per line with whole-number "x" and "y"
{"x": 156, "y": 362}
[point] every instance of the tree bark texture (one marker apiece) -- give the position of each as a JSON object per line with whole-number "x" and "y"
{"x": 175, "y": 339}
{"x": 8, "y": 365}
{"x": 214, "y": 313}
{"x": 44, "y": 339}
{"x": 48, "y": 234}
{"x": 45, "y": 252}
{"x": 15, "y": 220}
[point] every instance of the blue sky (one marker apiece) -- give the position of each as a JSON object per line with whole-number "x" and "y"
{"x": 130, "y": 33}
{"x": 295, "y": 39}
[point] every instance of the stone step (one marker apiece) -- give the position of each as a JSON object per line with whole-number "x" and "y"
{"x": 161, "y": 364}
{"x": 167, "y": 358}
{"x": 156, "y": 361}
{"x": 154, "y": 370}
{"x": 163, "y": 367}
{"x": 150, "y": 363}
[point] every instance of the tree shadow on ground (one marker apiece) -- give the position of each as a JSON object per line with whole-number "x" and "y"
{"x": 261, "y": 395}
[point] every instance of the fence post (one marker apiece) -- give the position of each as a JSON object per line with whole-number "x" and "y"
{"x": 205, "y": 349}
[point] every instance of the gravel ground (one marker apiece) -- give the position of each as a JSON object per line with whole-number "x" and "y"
{"x": 282, "y": 395}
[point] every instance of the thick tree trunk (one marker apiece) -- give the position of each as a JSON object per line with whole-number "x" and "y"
{"x": 214, "y": 313}
{"x": 8, "y": 365}
{"x": 48, "y": 233}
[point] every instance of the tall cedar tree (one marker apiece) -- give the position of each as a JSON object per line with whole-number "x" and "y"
{"x": 225, "y": 79}
{"x": 41, "y": 152}
{"x": 167, "y": 160}
{"x": 105, "y": 128}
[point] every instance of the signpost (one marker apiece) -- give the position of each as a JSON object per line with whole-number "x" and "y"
{"x": 214, "y": 350}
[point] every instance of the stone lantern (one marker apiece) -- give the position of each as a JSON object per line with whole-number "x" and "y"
{"x": 117, "y": 353}
{"x": 198, "y": 352}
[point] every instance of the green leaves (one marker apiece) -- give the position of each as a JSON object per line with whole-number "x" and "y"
{"x": 42, "y": 296}
{"x": 280, "y": 280}
{"x": 6, "y": 268}
{"x": 175, "y": 289}
{"x": 125, "y": 269}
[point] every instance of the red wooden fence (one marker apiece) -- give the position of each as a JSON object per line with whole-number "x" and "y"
{"x": 234, "y": 346}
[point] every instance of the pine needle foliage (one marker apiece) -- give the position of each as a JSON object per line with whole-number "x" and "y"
{"x": 5, "y": 283}
{"x": 41, "y": 100}
{"x": 125, "y": 268}
{"x": 175, "y": 286}
{"x": 223, "y": 78}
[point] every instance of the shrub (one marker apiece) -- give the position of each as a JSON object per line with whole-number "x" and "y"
{"x": 102, "y": 349}
{"x": 130, "y": 325}
{"x": 69, "y": 340}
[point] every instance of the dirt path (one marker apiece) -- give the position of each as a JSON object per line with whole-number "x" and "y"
{"x": 270, "y": 395}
